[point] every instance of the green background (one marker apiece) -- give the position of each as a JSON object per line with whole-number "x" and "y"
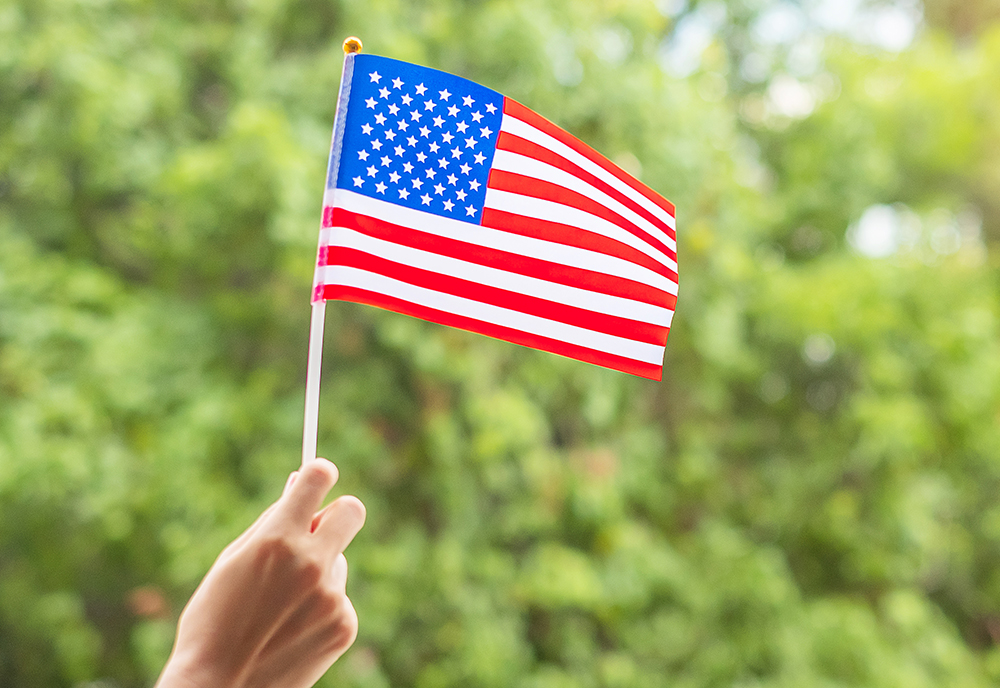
{"x": 808, "y": 499}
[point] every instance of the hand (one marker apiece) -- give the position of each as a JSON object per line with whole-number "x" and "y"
{"x": 273, "y": 610}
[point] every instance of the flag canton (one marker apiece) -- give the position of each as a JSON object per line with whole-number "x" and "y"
{"x": 419, "y": 138}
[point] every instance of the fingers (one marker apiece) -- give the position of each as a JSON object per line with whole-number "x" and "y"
{"x": 256, "y": 525}
{"x": 288, "y": 483}
{"x": 245, "y": 536}
{"x": 338, "y": 574}
{"x": 348, "y": 628}
{"x": 304, "y": 494}
{"x": 340, "y": 522}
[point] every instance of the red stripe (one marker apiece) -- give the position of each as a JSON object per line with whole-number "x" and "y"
{"x": 515, "y": 144}
{"x": 503, "y": 260}
{"x": 571, "y": 236}
{"x": 547, "y": 191}
{"x": 515, "y": 109}
{"x": 627, "y": 365}
{"x": 482, "y": 293}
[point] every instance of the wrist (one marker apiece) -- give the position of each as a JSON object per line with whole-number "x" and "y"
{"x": 179, "y": 673}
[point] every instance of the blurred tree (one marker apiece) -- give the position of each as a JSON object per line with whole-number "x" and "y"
{"x": 965, "y": 20}
{"x": 806, "y": 500}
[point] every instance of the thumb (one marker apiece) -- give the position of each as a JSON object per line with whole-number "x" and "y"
{"x": 303, "y": 496}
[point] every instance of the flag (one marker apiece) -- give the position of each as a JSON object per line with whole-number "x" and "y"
{"x": 449, "y": 202}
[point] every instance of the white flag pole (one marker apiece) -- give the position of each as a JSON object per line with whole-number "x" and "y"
{"x": 313, "y": 370}
{"x": 314, "y": 366}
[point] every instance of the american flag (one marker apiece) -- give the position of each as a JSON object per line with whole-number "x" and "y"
{"x": 449, "y": 202}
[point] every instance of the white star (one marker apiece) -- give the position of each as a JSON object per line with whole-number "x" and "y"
{"x": 406, "y": 100}
{"x": 417, "y": 183}
{"x": 429, "y": 104}
{"x": 399, "y": 151}
{"x": 383, "y": 92}
{"x": 470, "y": 142}
{"x": 380, "y": 187}
{"x": 452, "y": 179}
{"x": 424, "y": 131}
{"x": 426, "y": 199}
{"x": 362, "y": 155}
{"x": 486, "y": 132}
{"x": 476, "y": 116}
{"x": 470, "y": 211}
{"x": 358, "y": 181}
{"x": 390, "y": 134}
{"x": 433, "y": 148}
{"x": 431, "y": 173}
{"x": 421, "y": 157}
{"x": 474, "y": 185}
{"x": 442, "y": 163}
{"x": 375, "y": 77}
{"x": 386, "y": 161}
{"x": 490, "y": 108}
{"x": 465, "y": 168}
{"x": 456, "y": 152}
{"x": 367, "y": 128}
{"x": 404, "y": 194}
{"x": 411, "y": 140}
{"x": 421, "y": 89}
{"x": 468, "y": 101}
{"x": 394, "y": 177}
{"x": 438, "y": 189}
{"x": 453, "y": 111}
{"x": 444, "y": 94}
{"x": 415, "y": 116}
{"x": 372, "y": 170}
{"x": 438, "y": 121}
{"x": 393, "y": 108}
{"x": 447, "y": 138}
{"x": 461, "y": 126}
{"x": 461, "y": 195}
{"x": 380, "y": 118}
{"x": 376, "y": 144}
{"x": 402, "y": 125}
{"x": 371, "y": 103}
{"x": 397, "y": 83}
{"x": 480, "y": 158}
{"x": 448, "y": 205}
{"x": 407, "y": 167}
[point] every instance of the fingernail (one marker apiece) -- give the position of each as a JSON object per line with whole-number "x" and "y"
{"x": 291, "y": 481}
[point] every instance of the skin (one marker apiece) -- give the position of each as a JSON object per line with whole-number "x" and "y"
{"x": 273, "y": 610}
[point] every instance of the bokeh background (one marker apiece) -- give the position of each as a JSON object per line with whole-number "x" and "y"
{"x": 808, "y": 499}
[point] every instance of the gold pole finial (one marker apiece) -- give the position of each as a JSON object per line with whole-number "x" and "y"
{"x": 352, "y": 45}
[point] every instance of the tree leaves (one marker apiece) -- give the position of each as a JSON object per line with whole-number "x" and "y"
{"x": 807, "y": 499}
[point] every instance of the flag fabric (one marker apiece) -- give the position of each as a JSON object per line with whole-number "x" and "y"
{"x": 449, "y": 202}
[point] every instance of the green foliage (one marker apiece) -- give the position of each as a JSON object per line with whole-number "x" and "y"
{"x": 807, "y": 499}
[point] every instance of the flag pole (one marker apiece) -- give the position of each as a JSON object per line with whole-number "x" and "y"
{"x": 313, "y": 369}
{"x": 314, "y": 366}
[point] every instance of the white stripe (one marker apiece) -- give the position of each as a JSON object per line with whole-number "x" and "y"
{"x": 523, "y": 322}
{"x": 551, "y": 211}
{"x": 324, "y": 239}
{"x": 530, "y": 167}
{"x": 572, "y": 256}
{"x": 530, "y": 133}
{"x": 595, "y": 302}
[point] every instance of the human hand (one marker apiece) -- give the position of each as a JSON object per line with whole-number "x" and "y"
{"x": 273, "y": 610}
